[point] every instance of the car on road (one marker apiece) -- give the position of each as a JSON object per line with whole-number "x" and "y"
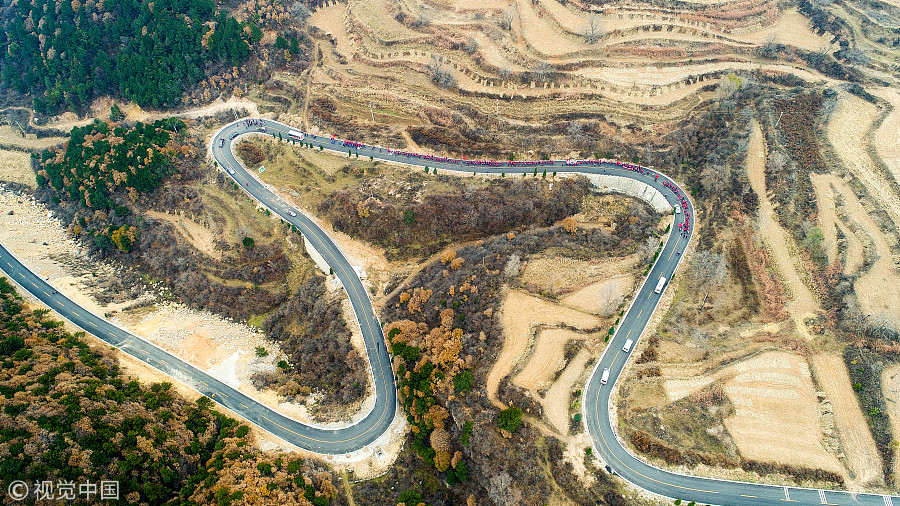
{"x": 221, "y": 143}
{"x": 233, "y": 136}
{"x": 292, "y": 213}
{"x": 605, "y": 377}
{"x": 627, "y": 347}
{"x": 230, "y": 170}
{"x": 660, "y": 284}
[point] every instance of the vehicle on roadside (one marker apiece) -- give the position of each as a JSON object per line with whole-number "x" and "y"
{"x": 627, "y": 346}
{"x": 677, "y": 210}
{"x": 230, "y": 170}
{"x": 605, "y": 377}
{"x": 263, "y": 129}
{"x": 660, "y": 284}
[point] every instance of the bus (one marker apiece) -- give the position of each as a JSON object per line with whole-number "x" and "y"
{"x": 660, "y": 284}
{"x": 295, "y": 135}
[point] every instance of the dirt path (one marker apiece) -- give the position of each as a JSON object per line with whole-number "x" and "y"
{"x": 802, "y": 303}
{"x": 863, "y": 458}
{"x": 520, "y": 313}
{"x": 887, "y": 136}
{"x": 847, "y": 129}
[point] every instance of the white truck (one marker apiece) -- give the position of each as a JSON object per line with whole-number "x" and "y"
{"x": 627, "y": 347}
{"x": 605, "y": 377}
{"x": 660, "y": 284}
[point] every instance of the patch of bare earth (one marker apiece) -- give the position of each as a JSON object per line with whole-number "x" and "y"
{"x": 15, "y": 167}
{"x": 556, "y": 400}
{"x": 199, "y": 236}
{"x": 802, "y": 303}
{"x": 863, "y": 459}
{"x": 791, "y": 29}
{"x": 776, "y": 412}
{"x": 877, "y": 289}
{"x": 547, "y": 358}
{"x": 847, "y": 130}
{"x": 602, "y": 297}
{"x": 12, "y": 137}
{"x": 886, "y": 138}
{"x": 826, "y": 203}
{"x": 559, "y": 275}
{"x": 521, "y": 315}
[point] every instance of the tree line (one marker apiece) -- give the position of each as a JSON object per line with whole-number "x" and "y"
{"x": 65, "y": 53}
{"x": 68, "y": 413}
{"x": 103, "y": 168}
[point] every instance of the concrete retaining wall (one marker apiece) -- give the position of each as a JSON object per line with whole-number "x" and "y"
{"x": 316, "y": 257}
{"x": 633, "y": 188}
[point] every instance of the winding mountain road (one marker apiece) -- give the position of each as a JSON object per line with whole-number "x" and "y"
{"x": 596, "y": 398}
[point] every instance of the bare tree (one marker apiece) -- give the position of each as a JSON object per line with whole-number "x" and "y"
{"x": 470, "y": 46}
{"x": 708, "y": 270}
{"x": 422, "y": 19}
{"x": 612, "y": 298}
{"x": 714, "y": 178}
{"x": 507, "y": 17}
{"x": 592, "y": 30}
{"x": 440, "y": 73}
{"x": 729, "y": 85}
{"x": 880, "y": 327}
{"x": 647, "y": 248}
{"x": 542, "y": 71}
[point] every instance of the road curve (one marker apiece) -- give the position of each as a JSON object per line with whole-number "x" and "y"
{"x": 596, "y": 396}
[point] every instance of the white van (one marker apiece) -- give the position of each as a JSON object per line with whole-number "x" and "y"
{"x": 677, "y": 210}
{"x": 605, "y": 377}
{"x": 627, "y": 346}
{"x": 660, "y": 284}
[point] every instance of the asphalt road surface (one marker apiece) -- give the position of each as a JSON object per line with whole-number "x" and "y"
{"x": 335, "y": 441}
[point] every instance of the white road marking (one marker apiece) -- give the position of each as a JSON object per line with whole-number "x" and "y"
{"x": 822, "y": 497}
{"x": 888, "y": 501}
{"x": 787, "y": 496}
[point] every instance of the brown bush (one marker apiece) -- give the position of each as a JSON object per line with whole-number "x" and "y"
{"x": 250, "y": 153}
